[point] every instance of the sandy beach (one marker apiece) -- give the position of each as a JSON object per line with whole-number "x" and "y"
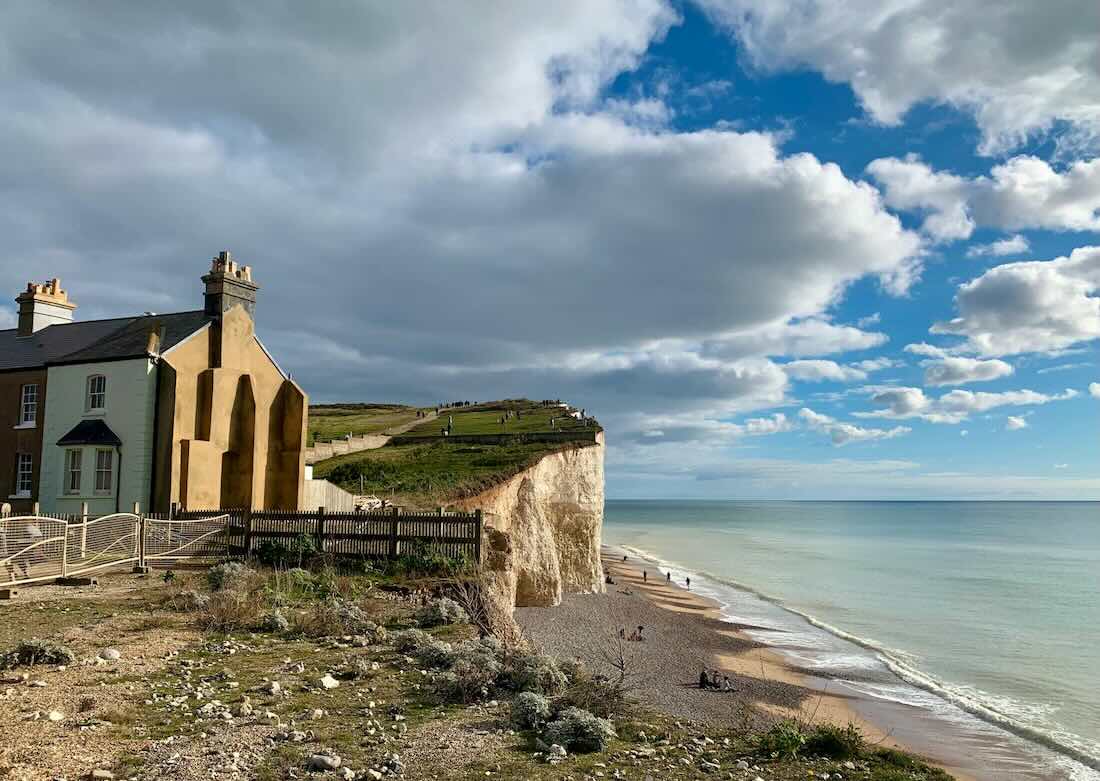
{"x": 683, "y": 634}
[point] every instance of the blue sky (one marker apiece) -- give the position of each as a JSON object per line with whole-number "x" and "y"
{"x": 782, "y": 249}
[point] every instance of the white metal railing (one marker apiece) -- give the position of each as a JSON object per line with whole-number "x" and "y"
{"x": 35, "y": 548}
{"x": 177, "y": 539}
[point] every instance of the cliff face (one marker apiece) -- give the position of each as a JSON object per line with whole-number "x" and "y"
{"x": 543, "y": 533}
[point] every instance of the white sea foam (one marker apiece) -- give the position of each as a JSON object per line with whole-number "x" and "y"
{"x": 1078, "y": 758}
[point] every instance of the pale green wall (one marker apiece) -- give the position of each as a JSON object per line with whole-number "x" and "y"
{"x": 131, "y": 399}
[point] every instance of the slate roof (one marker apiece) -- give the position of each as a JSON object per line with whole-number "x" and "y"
{"x": 90, "y": 432}
{"x": 94, "y": 340}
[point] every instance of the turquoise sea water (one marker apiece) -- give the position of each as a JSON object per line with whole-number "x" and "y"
{"x": 968, "y": 610}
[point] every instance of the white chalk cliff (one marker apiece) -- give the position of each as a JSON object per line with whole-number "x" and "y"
{"x": 543, "y": 529}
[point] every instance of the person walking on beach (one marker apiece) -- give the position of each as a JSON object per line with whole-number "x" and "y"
{"x": 689, "y": 582}
{"x": 641, "y": 637}
{"x": 645, "y": 577}
{"x": 668, "y": 576}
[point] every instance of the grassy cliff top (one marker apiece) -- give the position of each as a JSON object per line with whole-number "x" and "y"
{"x": 332, "y": 421}
{"x": 437, "y": 471}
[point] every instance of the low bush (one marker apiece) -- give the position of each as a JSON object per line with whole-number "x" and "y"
{"x": 834, "y": 742}
{"x": 228, "y": 575}
{"x": 189, "y": 601}
{"x": 435, "y": 654}
{"x": 607, "y": 699}
{"x": 274, "y": 621}
{"x": 231, "y": 610}
{"x": 31, "y": 652}
{"x": 530, "y": 711}
{"x": 785, "y": 739}
{"x": 409, "y": 640}
{"x": 295, "y": 553}
{"x": 579, "y": 731}
{"x": 442, "y": 612}
{"x": 533, "y": 672}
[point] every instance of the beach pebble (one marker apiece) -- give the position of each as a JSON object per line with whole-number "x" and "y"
{"x": 323, "y": 762}
{"x": 328, "y": 682}
{"x": 110, "y": 654}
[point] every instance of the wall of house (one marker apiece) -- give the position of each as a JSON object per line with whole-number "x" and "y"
{"x": 16, "y": 438}
{"x": 237, "y": 432}
{"x": 131, "y": 392}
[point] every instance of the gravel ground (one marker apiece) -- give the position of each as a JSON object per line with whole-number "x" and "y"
{"x": 680, "y": 639}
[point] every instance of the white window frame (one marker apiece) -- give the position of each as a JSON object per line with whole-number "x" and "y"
{"x": 74, "y": 458}
{"x": 24, "y": 471}
{"x": 28, "y": 405}
{"x": 108, "y": 472}
{"x": 91, "y": 396}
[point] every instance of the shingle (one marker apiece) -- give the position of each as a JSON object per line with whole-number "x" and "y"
{"x": 132, "y": 339}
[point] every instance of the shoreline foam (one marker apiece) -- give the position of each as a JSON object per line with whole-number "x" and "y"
{"x": 906, "y": 673}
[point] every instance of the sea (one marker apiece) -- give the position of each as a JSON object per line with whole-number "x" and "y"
{"x": 971, "y": 630}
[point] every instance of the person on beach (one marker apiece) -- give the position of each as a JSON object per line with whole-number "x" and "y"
{"x": 645, "y": 576}
{"x": 622, "y": 633}
{"x": 668, "y": 576}
{"x": 689, "y": 582}
{"x": 704, "y": 682}
{"x": 726, "y": 685}
{"x": 641, "y": 637}
{"x": 609, "y": 580}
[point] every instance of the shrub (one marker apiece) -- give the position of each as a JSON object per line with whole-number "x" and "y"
{"x": 600, "y": 696}
{"x": 785, "y": 739}
{"x": 474, "y": 669}
{"x": 579, "y": 731}
{"x": 32, "y": 652}
{"x": 435, "y": 654}
{"x": 190, "y": 601}
{"x": 409, "y": 640}
{"x": 829, "y": 740}
{"x": 274, "y": 621}
{"x": 230, "y": 611}
{"x": 533, "y": 672}
{"x": 298, "y": 551}
{"x": 228, "y": 575}
{"x": 530, "y": 710}
{"x": 442, "y": 612}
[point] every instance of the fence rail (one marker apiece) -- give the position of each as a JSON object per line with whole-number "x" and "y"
{"x": 37, "y": 548}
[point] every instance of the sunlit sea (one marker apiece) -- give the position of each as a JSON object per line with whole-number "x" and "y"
{"x": 983, "y": 615}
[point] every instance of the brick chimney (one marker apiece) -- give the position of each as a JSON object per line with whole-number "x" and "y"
{"x": 43, "y": 304}
{"x": 227, "y": 284}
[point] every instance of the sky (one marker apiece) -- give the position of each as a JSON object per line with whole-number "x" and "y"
{"x": 787, "y": 249}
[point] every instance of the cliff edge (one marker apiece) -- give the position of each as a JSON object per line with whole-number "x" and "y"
{"x": 543, "y": 529}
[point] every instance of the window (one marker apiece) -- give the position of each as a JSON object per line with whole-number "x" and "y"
{"x": 72, "y": 471}
{"x": 24, "y": 471}
{"x": 104, "y": 463}
{"x": 28, "y": 405}
{"x": 97, "y": 393}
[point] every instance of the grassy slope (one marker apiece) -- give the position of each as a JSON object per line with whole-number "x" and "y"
{"x": 332, "y": 421}
{"x": 431, "y": 474}
{"x": 485, "y": 419}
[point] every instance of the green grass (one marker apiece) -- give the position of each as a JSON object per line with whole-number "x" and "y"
{"x": 433, "y": 473}
{"x": 332, "y": 421}
{"x": 485, "y": 419}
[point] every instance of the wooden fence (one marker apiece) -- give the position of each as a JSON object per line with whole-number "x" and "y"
{"x": 385, "y": 533}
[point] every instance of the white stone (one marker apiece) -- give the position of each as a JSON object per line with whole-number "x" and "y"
{"x": 110, "y": 654}
{"x": 323, "y": 762}
{"x": 55, "y": 715}
{"x": 328, "y": 682}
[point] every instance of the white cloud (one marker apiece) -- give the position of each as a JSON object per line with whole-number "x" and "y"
{"x": 1033, "y": 306}
{"x": 1013, "y": 245}
{"x": 923, "y": 348}
{"x": 1017, "y": 66}
{"x": 820, "y": 370}
{"x": 964, "y": 433}
{"x": 958, "y": 370}
{"x": 871, "y": 319}
{"x": 797, "y": 339}
{"x": 1013, "y": 423}
{"x": 1063, "y": 367}
{"x": 1094, "y": 390}
{"x": 844, "y": 433}
{"x": 954, "y": 406}
{"x": 776, "y": 424}
{"x": 1021, "y": 193}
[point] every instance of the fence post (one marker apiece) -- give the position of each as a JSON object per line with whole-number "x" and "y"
{"x": 36, "y": 508}
{"x": 65, "y": 552}
{"x": 321, "y": 529}
{"x": 83, "y": 529}
{"x": 247, "y": 531}
{"x": 477, "y": 540}
{"x": 393, "y": 532}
